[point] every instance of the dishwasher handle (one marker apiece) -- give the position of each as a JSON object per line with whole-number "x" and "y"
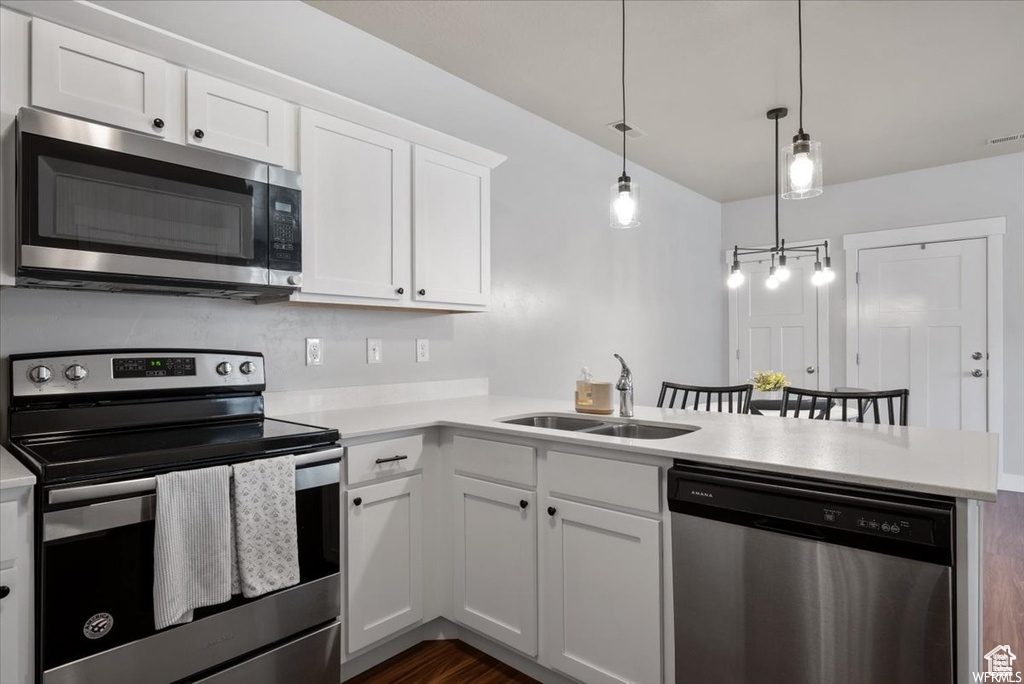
{"x": 790, "y": 527}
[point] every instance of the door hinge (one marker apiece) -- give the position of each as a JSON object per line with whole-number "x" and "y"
{"x": 858, "y": 358}
{"x": 737, "y": 354}
{"x": 856, "y": 278}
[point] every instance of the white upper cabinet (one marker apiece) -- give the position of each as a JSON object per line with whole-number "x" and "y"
{"x": 495, "y": 545}
{"x": 236, "y": 120}
{"x": 356, "y": 210}
{"x": 94, "y": 79}
{"x": 451, "y": 229}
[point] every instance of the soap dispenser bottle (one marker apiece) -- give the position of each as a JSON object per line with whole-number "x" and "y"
{"x": 585, "y": 389}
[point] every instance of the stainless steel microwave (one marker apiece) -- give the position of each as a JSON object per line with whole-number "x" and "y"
{"x": 105, "y": 209}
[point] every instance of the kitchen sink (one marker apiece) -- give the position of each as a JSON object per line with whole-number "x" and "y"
{"x": 556, "y": 422}
{"x": 632, "y": 430}
{"x": 641, "y": 431}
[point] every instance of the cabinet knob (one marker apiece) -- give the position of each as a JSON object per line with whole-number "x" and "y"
{"x": 552, "y": 510}
{"x": 422, "y": 292}
{"x": 356, "y": 501}
{"x": 400, "y": 290}
{"x": 523, "y": 503}
{"x": 5, "y": 591}
{"x": 198, "y": 133}
{"x": 158, "y": 123}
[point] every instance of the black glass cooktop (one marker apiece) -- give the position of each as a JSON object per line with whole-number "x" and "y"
{"x": 157, "y": 450}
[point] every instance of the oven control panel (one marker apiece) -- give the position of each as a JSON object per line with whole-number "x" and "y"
{"x": 134, "y": 371}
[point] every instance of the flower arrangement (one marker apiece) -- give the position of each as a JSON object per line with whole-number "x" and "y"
{"x": 769, "y": 381}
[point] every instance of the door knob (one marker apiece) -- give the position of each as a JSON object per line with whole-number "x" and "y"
{"x": 977, "y": 372}
{"x": 977, "y": 356}
{"x": 810, "y": 369}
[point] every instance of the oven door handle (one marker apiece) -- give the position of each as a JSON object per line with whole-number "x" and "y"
{"x": 106, "y": 515}
{"x": 148, "y": 484}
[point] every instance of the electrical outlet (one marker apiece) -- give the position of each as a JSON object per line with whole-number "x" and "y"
{"x": 374, "y": 351}
{"x": 314, "y": 352}
{"x": 422, "y": 351}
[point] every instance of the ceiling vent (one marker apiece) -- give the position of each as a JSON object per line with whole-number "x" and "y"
{"x": 631, "y": 130}
{"x": 1015, "y": 137}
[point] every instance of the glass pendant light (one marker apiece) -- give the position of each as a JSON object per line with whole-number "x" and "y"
{"x": 624, "y": 211}
{"x": 801, "y": 170}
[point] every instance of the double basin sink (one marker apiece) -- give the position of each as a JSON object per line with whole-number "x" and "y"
{"x": 590, "y": 426}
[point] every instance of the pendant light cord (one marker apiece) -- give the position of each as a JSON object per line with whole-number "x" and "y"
{"x": 800, "y": 50}
{"x": 623, "y": 87}
{"x": 776, "y": 185}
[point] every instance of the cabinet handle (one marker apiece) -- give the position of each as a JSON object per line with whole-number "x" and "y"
{"x": 400, "y": 290}
{"x": 356, "y": 501}
{"x": 158, "y": 123}
{"x": 391, "y": 460}
{"x": 523, "y": 503}
{"x": 552, "y": 510}
{"x": 422, "y": 292}
{"x": 199, "y": 134}
{"x": 5, "y": 591}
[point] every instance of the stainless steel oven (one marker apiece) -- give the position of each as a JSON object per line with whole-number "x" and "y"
{"x": 103, "y": 208}
{"x": 97, "y": 427}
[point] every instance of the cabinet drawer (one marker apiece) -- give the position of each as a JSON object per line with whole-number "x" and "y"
{"x": 495, "y": 460}
{"x": 10, "y": 534}
{"x": 633, "y": 485}
{"x": 384, "y": 458}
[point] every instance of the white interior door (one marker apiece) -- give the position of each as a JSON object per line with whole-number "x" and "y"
{"x": 779, "y": 329}
{"x": 922, "y": 326}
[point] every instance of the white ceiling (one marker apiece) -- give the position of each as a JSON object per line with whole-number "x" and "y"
{"x": 889, "y": 86}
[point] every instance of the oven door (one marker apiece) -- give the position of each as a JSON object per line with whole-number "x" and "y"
{"x": 96, "y": 201}
{"x": 97, "y": 591}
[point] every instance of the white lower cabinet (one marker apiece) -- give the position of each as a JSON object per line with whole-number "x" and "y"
{"x": 495, "y": 568}
{"x": 602, "y": 594}
{"x": 11, "y": 664}
{"x": 385, "y": 559}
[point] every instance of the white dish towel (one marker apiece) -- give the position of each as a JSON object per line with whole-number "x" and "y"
{"x": 266, "y": 545}
{"x": 191, "y": 551}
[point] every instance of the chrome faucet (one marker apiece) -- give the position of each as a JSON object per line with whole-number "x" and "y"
{"x": 625, "y": 387}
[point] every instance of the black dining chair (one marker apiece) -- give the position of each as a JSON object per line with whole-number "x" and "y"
{"x": 866, "y": 401}
{"x": 736, "y": 398}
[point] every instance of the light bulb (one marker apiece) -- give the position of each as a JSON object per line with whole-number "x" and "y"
{"x": 736, "y": 279}
{"x": 625, "y": 208}
{"x": 801, "y": 172}
{"x": 828, "y": 274}
{"x": 819, "y": 278}
{"x": 782, "y": 274}
{"x": 771, "y": 282}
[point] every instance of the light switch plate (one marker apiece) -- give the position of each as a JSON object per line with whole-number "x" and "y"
{"x": 422, "y": 350}
{"x": 374, "y": 350}
{"x": 314, "y": 352}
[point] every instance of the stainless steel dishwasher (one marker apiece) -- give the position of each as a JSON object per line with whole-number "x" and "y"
{"x": 797, "y": 581}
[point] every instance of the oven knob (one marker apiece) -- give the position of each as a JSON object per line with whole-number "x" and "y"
{"x": 75, "y": 373}
{"x": 223, "y": 368}
{"x": 247, "y": 367}
{"x": 39, "y": 374}
{"x": 295, "y": 280}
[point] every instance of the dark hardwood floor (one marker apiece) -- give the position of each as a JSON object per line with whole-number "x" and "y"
{"x": 442, "y": 662}
{"x": 1003, "y": 587}
{"x": 454, "y": 662}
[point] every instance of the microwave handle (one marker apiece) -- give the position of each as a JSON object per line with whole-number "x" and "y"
{"x": 148, "y": 484}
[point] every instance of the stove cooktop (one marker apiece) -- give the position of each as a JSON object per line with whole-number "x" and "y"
{"x": 59, "y": 460}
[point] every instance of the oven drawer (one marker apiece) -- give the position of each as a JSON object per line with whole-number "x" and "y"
{"x": 311, "y": 659}
{"x": 382, "y": 459}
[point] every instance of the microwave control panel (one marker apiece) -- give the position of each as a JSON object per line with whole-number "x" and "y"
{"x": 285, "y": 236}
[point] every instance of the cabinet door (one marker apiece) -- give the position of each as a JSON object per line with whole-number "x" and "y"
{"x": 385, "y": 559}
{"x": 356, "y": 191}
{"x": 91, "y": 78}
{"x": 496, "y": 562}
{"x": 451, "y": 229}
{"x": 10, "y": 629}
{"x": 233, "y": 119}
{"x": 602, "y": 594}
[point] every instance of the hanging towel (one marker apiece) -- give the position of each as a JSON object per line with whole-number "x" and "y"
{"x": 266, "y": 545}
{"x": 192, "y": 544}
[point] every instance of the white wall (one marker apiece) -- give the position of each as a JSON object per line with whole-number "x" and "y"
{"x": 957, "y": 192}
{"x": 566, "y": 288}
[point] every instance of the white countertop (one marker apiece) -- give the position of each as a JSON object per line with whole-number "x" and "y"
{"x": 13, "y": 473}
{"x": 945, "y": 462}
